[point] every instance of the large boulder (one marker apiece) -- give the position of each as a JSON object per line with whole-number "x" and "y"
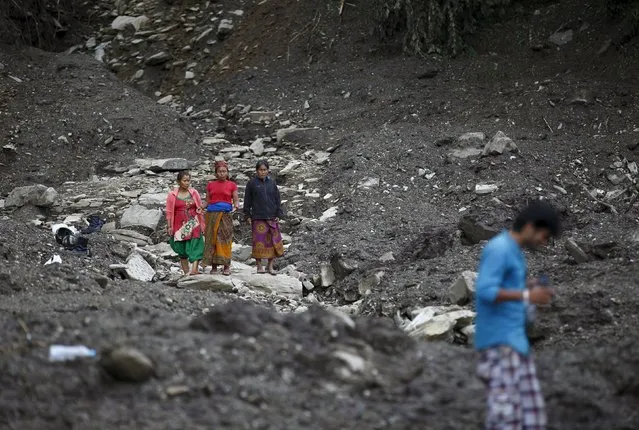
{"x": 462, "y": 291}
{"x": 499, "y": 144}
{"x": 36, "y": 195}
{"x": 139, "y": 216}
{"x": 280, "y": 284}
{"x": 474, "y": 231}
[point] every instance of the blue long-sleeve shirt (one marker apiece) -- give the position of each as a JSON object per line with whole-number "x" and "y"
{"x": 262, "y": 199}
{"x": 502, "y": 266}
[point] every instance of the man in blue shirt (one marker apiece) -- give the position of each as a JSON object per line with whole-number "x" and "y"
{"x": 506, "y": 364}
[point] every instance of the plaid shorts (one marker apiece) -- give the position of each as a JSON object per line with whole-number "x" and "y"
{"x": 515, "y": 401}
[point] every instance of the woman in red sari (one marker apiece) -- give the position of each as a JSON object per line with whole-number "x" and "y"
{"x": 185, "y": 223}
{"x": 222, "y": 200}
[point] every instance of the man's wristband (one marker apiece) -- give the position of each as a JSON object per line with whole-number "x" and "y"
{"x": 525, "y": 296}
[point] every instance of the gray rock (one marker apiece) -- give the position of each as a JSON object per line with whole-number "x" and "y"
{"x": 388, "y": 257}
{"x": 166, "y": 99}
{"x": 576, "y": 252}
{"x": 130, "y": 236}
{"x": 128, "y": 365}
{"x": 438, "y": 323}
{"x": 462, "y": 291}
{"x": 122, "y": 22}
{"x": 257, "y": 116}
{"x": 561, "y": 38}
{"x": 207, "y": 282}
{"x": 136, "y": 268}
{"x": 482, "y": 189}
{"x": 368, "y": 182}
{"x": 280, "y": 284}
{"x": 163, "y": 165}
{"x": 469, "y": 332}
{"x": 342, "y": 267}
{"x": 153, "y": 199}
{"x": 257, "y": 147}
{"x": 159, "y": 58}
{"x": 308, "y": 286}
{"x": 215, "y": 141}
{"x": 327, "y": 275}
{"x": 242, "y": 252}
{"x": 139, "y": 216}
{"x": 232, "y": 149}
{"x": 465, "y": 153}
{"x": 298, "y": 135}
{"x": 138, "y": 75}
{"x": 473, "y": 138}
{"x": 499, "y": 144}
{"x": 36, "y": 195}
{"x": 366, "y": 285}
{"x": 224, "y": 29}
{"x": 474, "y": 231}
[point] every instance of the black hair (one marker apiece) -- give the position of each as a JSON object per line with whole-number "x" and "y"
{"x": 182, "y": 174}
{"x": 541, "y": 215}
{"x": 262, "y": 163}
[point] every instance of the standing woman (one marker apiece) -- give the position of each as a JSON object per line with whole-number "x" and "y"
{"x": 263, "y": 208}
{"x": 185, "y": 223}
{"x": 222, "y": 200}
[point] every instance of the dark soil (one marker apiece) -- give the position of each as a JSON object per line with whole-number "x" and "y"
{"x": 387, "y": 116}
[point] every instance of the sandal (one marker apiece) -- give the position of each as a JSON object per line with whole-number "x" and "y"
{"x": 226, "y": 272}
{"x": 261, "y": 271}
{"x": 272, "y": 271}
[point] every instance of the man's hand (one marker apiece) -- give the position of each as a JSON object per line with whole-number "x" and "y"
{"x": 540, "y": 295}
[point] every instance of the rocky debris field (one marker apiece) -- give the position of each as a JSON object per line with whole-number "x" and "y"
{"x": 393, "y": 173}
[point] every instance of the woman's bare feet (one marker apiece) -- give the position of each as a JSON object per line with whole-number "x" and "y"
{"x": 227, "y": 271}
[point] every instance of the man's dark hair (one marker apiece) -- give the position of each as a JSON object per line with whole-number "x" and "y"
{"x": 541, "y": 215}
{"x": 261, "y": 163}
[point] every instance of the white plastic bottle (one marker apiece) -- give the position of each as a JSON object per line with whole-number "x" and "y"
{"x": 68, "y": 353}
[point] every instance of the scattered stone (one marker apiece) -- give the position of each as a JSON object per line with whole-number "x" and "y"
{"x": 163, "y": 165}
{"x": 469, "y": 332}
{"x": 139, "y": 216}
{"x": 158, "y": 59}
{"x": 242, "y": 252}
{"x": 176, "y": 390}
{"x": 429, "y": 73}
{"x": 308, "y": 286}
{"x": 204, "y": 34}
{"x": 482, "y": 189}
{"x": 91, "y": 43}
{"x": 207, "y": 282}
{"x": 366, "y": 285}
{"x": 36, "y": 195}
{"x": 465, "y": 153}
{"x": 328, "y": 214}
{"x": 499, "y": 144}
{"x": 231, "y": 149}
{"x": 472, "y": 138}
{"x": 130, "y": 236}
{"x": 122, "y": 22}
{"x": 153, "y": 199}
{"x": 257, "y": 116}
{"x": 138, "y": 75}
{"x": 561, "y": 38}
{"x": 368, "y": 182}
{"x": 432, "y": 243}
{"x": 224, "y": 29}
{"x": 341, "y": 266}
{"x": 136, "y": 268}
{"x": 297, "y": 135}
{"x": 215, "y": 141}
{"x": 189, "y": 75}
{"x": 576, "y": 252}
{"x": 633, "y": 169}
{"x": 438, "y": 323}
{"x": 257, "y": 147}
{"x": 386, "y": 258}
{"x": 128, "y": 365}
{"x": 616, "y": 179}
{"x": 9, "y": 148}
{"x": 322, "y": 157}
{"x": 327, "y": 275}
{"x": 463, "y": 289}
{"x": 475, "y": 231}
{"x": 166, "y": 99}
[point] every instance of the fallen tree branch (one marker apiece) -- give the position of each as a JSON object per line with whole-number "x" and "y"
{"x": 601, "y": 202}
